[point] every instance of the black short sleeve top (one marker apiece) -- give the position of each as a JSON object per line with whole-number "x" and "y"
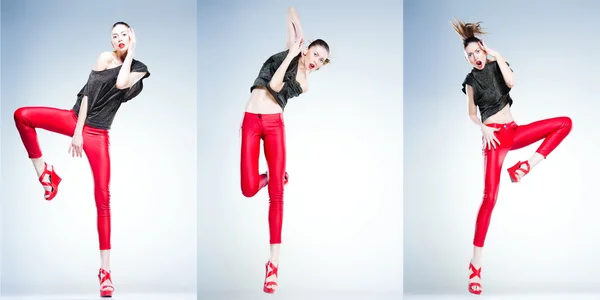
{"x": 291, "y": 87}
{"x": 104, "y": 98}
{"x": 491, "y": 94}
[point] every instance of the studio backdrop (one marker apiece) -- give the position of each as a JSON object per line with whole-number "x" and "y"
{"x": 342, "y": 228}
{"x": 543, "y": 232}
{"x": 48, "y": 51}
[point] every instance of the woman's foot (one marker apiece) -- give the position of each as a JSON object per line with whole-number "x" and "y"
{"x": 475, "y": 279}
{"x": 519, "y": 170}
{"x": 106, "y": 285}
{"x": 271, "y": 277}
{"x": 50, "y": 181}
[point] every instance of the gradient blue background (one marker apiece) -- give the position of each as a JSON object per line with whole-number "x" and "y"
{"x": 48, "y": 50}
{"x": 342, "y": 229}
{"x": 543, "y": 233}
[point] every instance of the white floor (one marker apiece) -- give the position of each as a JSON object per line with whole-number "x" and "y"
{"x": 294, "y": 295}
{"x": 117, "y": 296}
{"x": 558, "y": 296}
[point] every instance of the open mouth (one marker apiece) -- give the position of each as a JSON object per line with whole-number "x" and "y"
{"x": 121, "y": 45}
{"x": 478, "y": 63}
{"x": 311, "y": 66}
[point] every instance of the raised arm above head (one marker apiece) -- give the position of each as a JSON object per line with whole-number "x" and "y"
{"x": 294, "y": 28}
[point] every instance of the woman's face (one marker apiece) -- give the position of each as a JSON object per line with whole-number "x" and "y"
{"x": 475, "y": 55}
{"x": 315, "y": 58}
{"x": 120, "y": 37}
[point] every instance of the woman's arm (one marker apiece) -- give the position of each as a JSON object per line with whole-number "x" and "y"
{"x": 294, "y": 28}
{"x": 102, "y": 64}
{"x": 126, "y": 78}
{"x": 507, "y": 74}
{"x": 276, "y": 82}
{"x": 83, "y": 109}
{"x": 472, "y": 106}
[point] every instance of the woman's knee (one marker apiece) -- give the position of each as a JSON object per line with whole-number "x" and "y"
{"x": 102, "y": 201}
{"x": 20, "y": 114}
{"x": 489, "y": 199}
{"x": 565, "y": 122}
{"x": 249, "y": 190}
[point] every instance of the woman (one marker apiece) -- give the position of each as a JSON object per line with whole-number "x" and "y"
{"x": 116, "y": 78}
{"x": 487, "y": 87}
{"x": 283, "y": 76}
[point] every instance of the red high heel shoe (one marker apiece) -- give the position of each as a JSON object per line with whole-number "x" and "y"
{"x": 474, "y": 273}
{"x": 107, "y": 290}
{"x": 273, "y": 271}
{"x": 53, "y": 182}
{"x": 512, "y": 171}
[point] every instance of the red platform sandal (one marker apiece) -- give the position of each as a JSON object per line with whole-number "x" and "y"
{"x": 512, "y": 171}
{"x": 106, "y": 290}
{"x": 53, "y": 182}
{"x": 474, "y": 273}
{"x": 270, "y": 271}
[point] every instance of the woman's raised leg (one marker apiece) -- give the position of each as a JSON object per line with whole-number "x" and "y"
{"x": 27, "y": 120}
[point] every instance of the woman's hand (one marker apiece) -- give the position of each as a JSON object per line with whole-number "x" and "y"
{"x": 132, "y": 40}
{"x": 296, "y": 47}
{"x": 489, "y": 137}
{"x": 487, "y": 49}
{"x": 76, "y": 148}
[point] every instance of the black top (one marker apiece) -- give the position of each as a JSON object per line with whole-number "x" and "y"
{"x": 104, "y": 98}
{"x": 291, "y": 87}
{"x": 491, "y": 94}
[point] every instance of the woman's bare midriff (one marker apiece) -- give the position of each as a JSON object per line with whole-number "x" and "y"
{"x": 502, "y": 117}
{"x": 262, "y": 102}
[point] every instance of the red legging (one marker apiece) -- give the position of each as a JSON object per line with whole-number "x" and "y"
{"x": 271, "y": 129}
{"x": 95, "y": 144}
{"x": 512, "y": 137}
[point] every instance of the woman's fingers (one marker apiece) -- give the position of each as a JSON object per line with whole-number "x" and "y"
{"x": 76, "y": 151}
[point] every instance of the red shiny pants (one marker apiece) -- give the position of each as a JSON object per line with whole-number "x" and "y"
{"x": 271, "y": 129}
{"x": 95, "y": 144}
{"x": 512, "y": 137}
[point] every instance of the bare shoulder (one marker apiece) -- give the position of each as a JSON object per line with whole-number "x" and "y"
{"x": 103, "y": 61}
{"x": 105, "y": 56}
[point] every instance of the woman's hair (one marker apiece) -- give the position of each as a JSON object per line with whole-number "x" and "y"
{"x": 121, "y": 23}
{"x": 468, "y": 32}
{"x": 322, "y": 43}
